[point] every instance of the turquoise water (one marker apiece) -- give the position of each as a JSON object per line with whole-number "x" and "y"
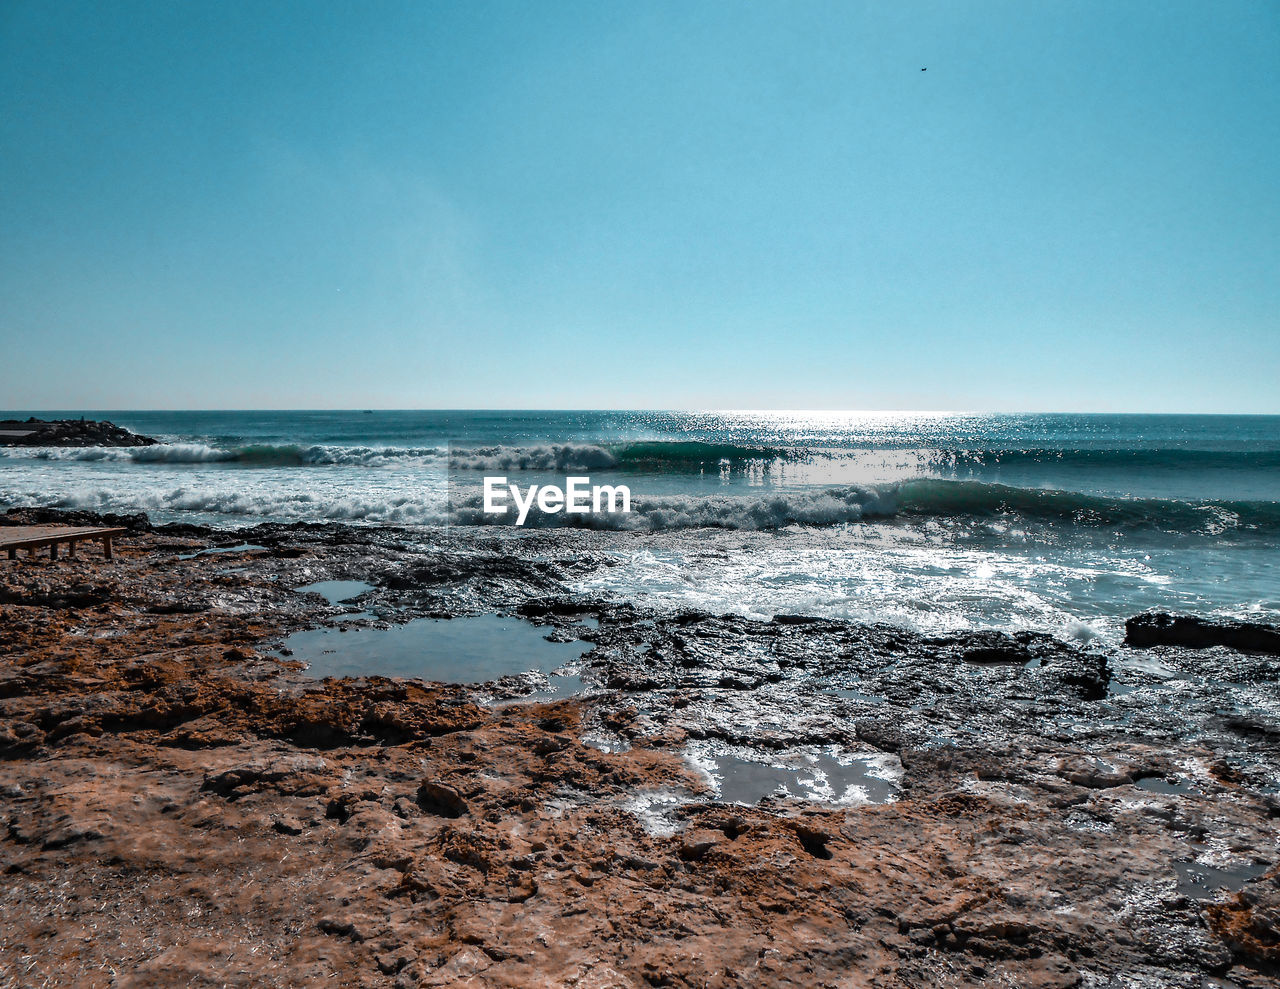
{"x": 939, "y": 521}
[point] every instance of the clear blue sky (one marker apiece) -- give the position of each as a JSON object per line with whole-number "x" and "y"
{"x": 743, "y": 204}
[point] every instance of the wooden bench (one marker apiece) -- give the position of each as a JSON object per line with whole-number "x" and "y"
{"x": 34, "y": 537}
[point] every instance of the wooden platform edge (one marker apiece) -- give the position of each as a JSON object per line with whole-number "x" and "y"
{"x": 51, "y": 541}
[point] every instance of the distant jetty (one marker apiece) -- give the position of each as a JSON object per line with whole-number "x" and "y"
{"x": 68, "y": 432}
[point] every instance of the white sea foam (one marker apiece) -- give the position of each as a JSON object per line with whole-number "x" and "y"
{"x": 548, "y": 457}
{"x": 177, "y": 453}
{"x": 258, "y": 454}
{"x": 371, "y": 456}
{"x": 210, "y": 498}
{"x": 913, "y": 527}
{"x": 1081, "y": 631}
{"x": 828, "y": 506}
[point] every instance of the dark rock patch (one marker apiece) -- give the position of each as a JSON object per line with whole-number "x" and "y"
{"x": 1160, "y": 629}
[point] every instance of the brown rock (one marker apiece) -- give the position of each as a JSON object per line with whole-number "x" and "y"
{"x": 441, "y": 799}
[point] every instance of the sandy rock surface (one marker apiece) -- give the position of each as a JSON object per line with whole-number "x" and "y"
{"x": 181, "y": 805}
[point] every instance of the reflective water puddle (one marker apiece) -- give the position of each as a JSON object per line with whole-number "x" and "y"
{"x": 1162, "y": 784}
{"x": 459, "y": 650}
{"x": 827, "y": 775}
{"x": 215, "y": 550}
{"x": 1202, "y": 881}
{"x": 336, "y": 591}
{"x": 854, "y": 695}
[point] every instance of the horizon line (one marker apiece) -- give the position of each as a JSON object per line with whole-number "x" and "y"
{"x": 362, "y": 410}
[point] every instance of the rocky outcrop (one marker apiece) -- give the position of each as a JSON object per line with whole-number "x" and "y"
{"x": 68, "y": 432}
{"x": 1159, "y": 629}
{"x": 135, "y": 522}
{"x": 167, "y": 777}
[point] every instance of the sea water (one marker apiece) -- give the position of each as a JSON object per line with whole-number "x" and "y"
{"x": 941, "y": 522}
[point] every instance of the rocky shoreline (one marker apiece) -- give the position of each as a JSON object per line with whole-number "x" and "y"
{"x": 68, "y": 432}
{"x": 181, "y": 803}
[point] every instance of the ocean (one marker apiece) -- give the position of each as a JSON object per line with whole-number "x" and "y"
{"x": 939, "y": 522}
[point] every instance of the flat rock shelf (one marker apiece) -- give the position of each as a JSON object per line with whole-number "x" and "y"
{"x": 731, "y": 801}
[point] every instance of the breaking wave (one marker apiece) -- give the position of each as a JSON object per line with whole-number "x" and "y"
{"x": 1172, "y": 457}
{"x": 821, "y": 507}
{"x": 203, "y": 502}
{"x": 921, "y": 498}
{"x": 406, "y": 499}
{"x": 977, "y": 498}
{"x": 653, "y": 456}
{"x": 688, "y": 456}
{"x": 548, "y": 457}
{"x": 262, "y": 455}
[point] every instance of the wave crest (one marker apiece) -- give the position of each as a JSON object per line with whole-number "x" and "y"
{"x": 257, "y": 455}
{"x": 920, "y": 498}
{"x": 759, "y": 509}
{"x": 549, "y": 457}
{"x": 655, "y": 456}
{"x": 827, "y": 506}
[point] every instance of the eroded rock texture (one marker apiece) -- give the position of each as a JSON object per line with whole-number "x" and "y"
{"x": 181, "y": 805}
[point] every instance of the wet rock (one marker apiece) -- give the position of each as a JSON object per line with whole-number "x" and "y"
{"x": 40, "y": 594}
{"x": 1249, "y": 922}
{"x": 997, "y": 647}
{"x": 1159, "y": 629}
{"x": 135, "y": 523}
{"x": 378, "y": 830}
{"x": 68, "y": 432}
{"x": 1084, "y": 674}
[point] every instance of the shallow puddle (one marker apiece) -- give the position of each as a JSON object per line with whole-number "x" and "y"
{"x": 559, "y": 686}
{"x": 1202, "y": 881}
{"x": 357, "y": 616}
{"x": 827, "y": 776}
{"x": 607, "y": 743}
{"x": 1161, "y": 784}
{"x": 336, "y": 591}
{"x": 854, "y": 695}
{"x": 459, "y": 650}
{"x": 215, "y": 550}
{"x": 1145, "y": 664}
